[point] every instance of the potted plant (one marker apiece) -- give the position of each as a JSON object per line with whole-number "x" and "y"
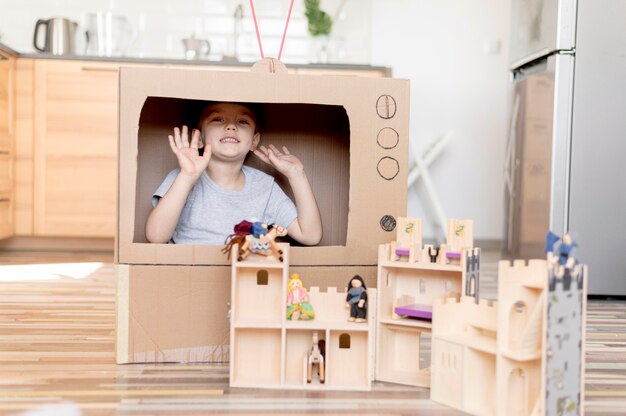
{"x": 320, "y": 25}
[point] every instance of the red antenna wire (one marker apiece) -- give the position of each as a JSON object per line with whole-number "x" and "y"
{"x": 258, "y": 36}
{"x": 256, "y": 26}
{"x": 282, "y": 42}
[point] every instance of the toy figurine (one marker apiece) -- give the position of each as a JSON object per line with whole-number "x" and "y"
{"x": 563, "y": 250}
{"x": 433, "y": 252}
{"x": 255, "y": 237}
{"x": 356, "y": 299}
{"x": 316, "y": 356}
{"x": 298, "y": 306}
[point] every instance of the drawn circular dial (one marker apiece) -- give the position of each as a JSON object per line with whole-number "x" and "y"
{"x": 386, "y": 106}
{"x": 388, "y": 138}
{"x": 388, "y": 167}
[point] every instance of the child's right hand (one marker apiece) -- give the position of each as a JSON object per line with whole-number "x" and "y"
{"x": 189, "y": 159}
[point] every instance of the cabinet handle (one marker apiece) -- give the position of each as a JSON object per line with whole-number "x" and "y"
{"x": 4, "y": 199}
{"x": 4, "y": 152}
{"x": 100, "y": 69}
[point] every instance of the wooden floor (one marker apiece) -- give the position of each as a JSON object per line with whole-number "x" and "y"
{"x": 57, "y": 324}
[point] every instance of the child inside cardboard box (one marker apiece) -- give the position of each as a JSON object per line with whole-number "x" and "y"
{"x": 211, "y": 191}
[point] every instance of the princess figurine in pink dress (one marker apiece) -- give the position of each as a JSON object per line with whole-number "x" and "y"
{"x": 298, "y": 306}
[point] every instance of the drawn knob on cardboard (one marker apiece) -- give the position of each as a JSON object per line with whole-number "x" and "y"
{"x": 386, "y": 106}
{"x": 388, "y": 138}
{"x": 388, "y": 167}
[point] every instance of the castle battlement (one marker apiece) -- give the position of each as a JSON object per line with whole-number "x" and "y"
{"x": 566, "y": 279}
{"x": 531, "y": 274}
{"x": 459, "y": 303}
{"x": 454, "y": 319}
{"x": 331, "y": 290}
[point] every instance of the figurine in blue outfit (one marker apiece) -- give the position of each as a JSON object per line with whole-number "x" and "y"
{"x": 563, "y": 250}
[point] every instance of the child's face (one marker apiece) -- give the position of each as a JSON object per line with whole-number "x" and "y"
{"x": 230, "y": 130}
{"x": 356, "y": 283}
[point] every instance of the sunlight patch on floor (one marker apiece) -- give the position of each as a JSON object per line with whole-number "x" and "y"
{"x": 33, "y": 272}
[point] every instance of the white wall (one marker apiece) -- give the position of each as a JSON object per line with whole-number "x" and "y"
{"x": 160, "y": 25}
{"x": 455, "y": 86}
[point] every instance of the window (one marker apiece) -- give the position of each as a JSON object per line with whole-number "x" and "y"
{"x": 344, "y": 341}
{"x": 262, "y": 277}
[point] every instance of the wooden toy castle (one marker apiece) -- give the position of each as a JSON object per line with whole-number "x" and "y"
{"x": 269, "y": 351}
{"x": 527, "y": 348}
{"x": 521, "y": 355}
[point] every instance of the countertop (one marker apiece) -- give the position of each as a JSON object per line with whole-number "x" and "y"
{"x": 171, "y": 61}
{"x": 6, "y": 49}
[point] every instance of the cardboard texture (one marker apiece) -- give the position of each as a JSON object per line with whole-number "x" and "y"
{"x": 331, "y": 122}
{"x": 172, "y": 314}
{"x": 352, "y": 136}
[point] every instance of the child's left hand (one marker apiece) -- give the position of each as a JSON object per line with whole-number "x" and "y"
{"x": 284, "y": 162}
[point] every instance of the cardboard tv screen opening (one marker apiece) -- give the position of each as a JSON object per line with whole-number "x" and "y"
{"x": 319, "y": 135}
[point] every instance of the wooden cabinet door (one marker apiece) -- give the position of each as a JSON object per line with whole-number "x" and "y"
{"x": 75, "y": 148}
{"x": 6, "y": 146}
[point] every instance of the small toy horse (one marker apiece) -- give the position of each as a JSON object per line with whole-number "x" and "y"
{"x": 316, "y": 356}
{"x": 257, "y": 238}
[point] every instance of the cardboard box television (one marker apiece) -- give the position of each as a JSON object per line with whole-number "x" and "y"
{"x": 352, "y": 136}
{"x": 350, "y": 132}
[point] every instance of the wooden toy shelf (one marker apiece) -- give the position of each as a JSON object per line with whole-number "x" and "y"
{"x": 412, "y": 323}
{"x": 421, "y": 266}
{"x": 330, "y": 325}
{"x": 269, "y": 351}
{"x": 256, "y": 324}
{"x": 403, "y": 283}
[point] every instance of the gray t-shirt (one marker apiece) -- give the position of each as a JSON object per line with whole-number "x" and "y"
{"x": 210, "y": 212}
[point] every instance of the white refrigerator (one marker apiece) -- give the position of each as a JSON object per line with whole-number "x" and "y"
{"x": 566, "y": 149}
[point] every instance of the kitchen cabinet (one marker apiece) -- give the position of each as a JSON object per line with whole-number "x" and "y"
{"x": 75, "y": 148}
{"x": 6, "y": 145}
{"x": 66, "y": 119}
{"x": 68, "y": 151}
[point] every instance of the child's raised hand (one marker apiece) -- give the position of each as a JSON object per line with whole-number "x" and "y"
{"x": 189, "y": 159}
{"x": 284, "y": 162}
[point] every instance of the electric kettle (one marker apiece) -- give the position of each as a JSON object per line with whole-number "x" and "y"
{"x": 109, "y": 34}
{"x": 59, "y": 36}
{"x": 196, "y": 48}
